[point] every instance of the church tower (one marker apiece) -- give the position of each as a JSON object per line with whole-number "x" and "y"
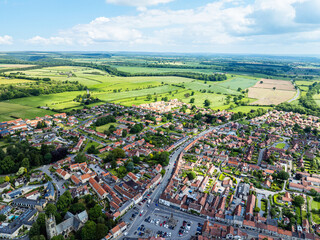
{"x": 51, "y": 227}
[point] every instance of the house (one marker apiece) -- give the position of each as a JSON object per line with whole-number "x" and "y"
{"x": 4, "y": 186}
{"x": 227, "y": 183}
{"x": 97, "y": 188}
{"x": 63, "y": 174}
{"x": 36, "y": 177}
{"x": 266, "y": 184}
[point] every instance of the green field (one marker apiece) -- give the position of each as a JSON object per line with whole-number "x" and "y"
{"x": 280, "y": 145}
{"x": 315, "y": 217}
{"x": 105, "y": 127}
{"x": 238, "y": 82}
{"x": 161, "y": 70}
{"x": 13, "y": 81}
{"x": 9, "y": 111}
{"x": 134, "y": 90}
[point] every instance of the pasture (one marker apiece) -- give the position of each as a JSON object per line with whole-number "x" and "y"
{"x": 9, "y": 111}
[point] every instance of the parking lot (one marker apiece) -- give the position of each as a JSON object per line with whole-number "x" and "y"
{"x": 163, "y": 225}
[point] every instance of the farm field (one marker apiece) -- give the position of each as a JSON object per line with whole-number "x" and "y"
{"x": 278, "y": 84}
{"x": 270, "y": 91}
{"x": 56, "y": 101}
{"x": 161, "y": 70}
{"x": 238, "y": 82}
{"x": 4, "y": 80}
{"x": 9, "y": 66}
{"x": 9, "y": 111}
{"x": 270, "y": 96}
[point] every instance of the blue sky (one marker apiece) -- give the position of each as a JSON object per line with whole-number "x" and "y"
{"x": 209, "y": 26}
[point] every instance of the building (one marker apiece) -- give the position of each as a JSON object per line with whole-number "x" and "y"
{"x": 72, "y": 223}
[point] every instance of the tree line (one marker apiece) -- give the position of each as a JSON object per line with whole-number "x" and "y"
{"x": 39, "y": 88}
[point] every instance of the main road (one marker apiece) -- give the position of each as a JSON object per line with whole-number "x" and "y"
{"x": 149, "y": 209}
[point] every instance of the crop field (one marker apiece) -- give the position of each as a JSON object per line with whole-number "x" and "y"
{"x": 13, "y": 81}
{"x": 9, "y": 111}
{"x": 270, "y": 91}
{"x": 10, "y": 66}
{"x": 278, "y": 84}
{"x": 53, "y": 101}
{"x": 270, "y": 96}
{"x": 238, "y": 82}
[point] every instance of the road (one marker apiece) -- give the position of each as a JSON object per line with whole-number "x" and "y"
{"x": 260, "y": 156}
{"x": 295, "y": 97}
{"x": 58, "y": 182}
{"x": 149, "y": 210}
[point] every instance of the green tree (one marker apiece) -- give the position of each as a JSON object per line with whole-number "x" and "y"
{"x": 101, "y": 231}
{"x": 59, "y": 237}
{"x": 207, "y": 103}
{"x": 77, "y": 208}
{"x": 191, "y": 175}
{"x": 192, "y": 100}
{"x": 92, "y": 150}
{"x": 88, "y": 232}
{"x": 38, "y": 237}
{"x": 2, "y": 218}
{"x": 51, "y": 209}
{"x": 34, "y": 230}
{"x": 80, "y": 158}
{"x": 283, "y": 175}
{"x": 130, "y": 166}
{"x": 124, "y": 133}
{"x": 298, "y": 201}
{"x": 7, "y": 165}
{"x": 25, "y": 163}
{"x": 95, "y": 212}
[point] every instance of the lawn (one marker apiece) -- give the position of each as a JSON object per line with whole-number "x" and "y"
{"x": 9, "y": 111}
{"x": 280, "y": 145}
{"x": 105, "y": 127}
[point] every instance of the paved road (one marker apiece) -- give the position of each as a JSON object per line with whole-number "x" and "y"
{"x": 260, "y": 156}
{"x": 295, "y": 97}
{"x": 149, "y": 210}
{"x": 58, "y": 182}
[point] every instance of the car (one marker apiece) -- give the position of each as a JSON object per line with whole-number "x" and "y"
{"x": 140, "y": 214}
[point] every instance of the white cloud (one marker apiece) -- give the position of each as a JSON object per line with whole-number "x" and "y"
{"x": 220, "y": 23}
{"x": 6, "y": 40}
{"x": 50, "y": 41}
{"x": 138, "y": 3}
